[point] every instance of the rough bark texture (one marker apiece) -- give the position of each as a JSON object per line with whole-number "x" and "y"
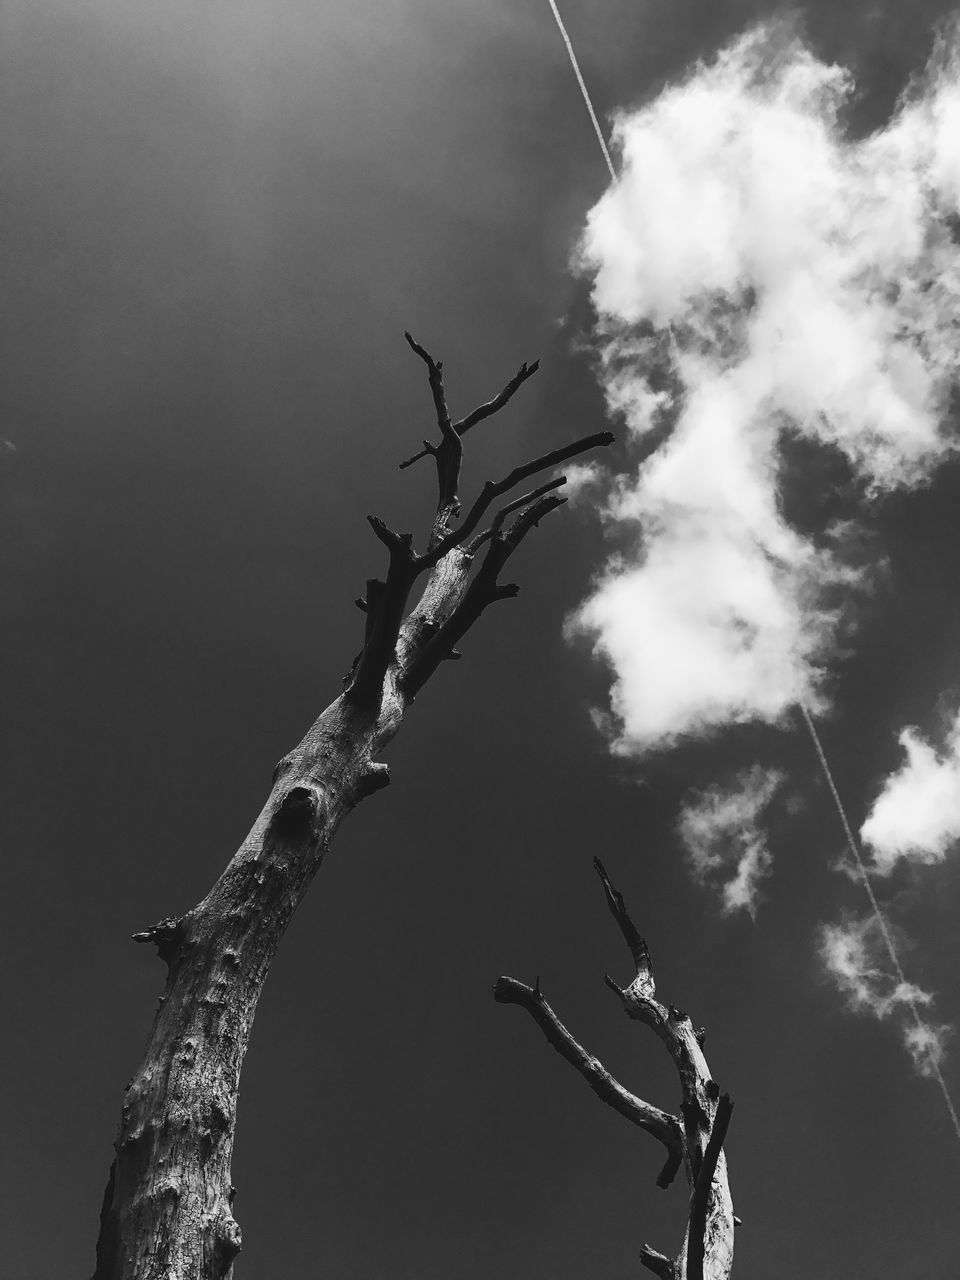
{"x": 693, "y": 1139}
{"x": 167, "y": 1209}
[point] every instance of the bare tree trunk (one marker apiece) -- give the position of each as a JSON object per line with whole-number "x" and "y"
{"x": 694, "y": 1139}
{"x": 167, "y": 1207}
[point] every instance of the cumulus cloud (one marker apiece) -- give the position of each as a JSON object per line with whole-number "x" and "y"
{"x": 759, "y": 276}
{"x": 917, "y": 813}
{"x": 851, "y": 953}
{"x": 725, "y": 843}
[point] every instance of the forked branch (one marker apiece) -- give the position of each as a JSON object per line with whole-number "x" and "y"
{"x": 449, "y": 452}
{"x": 707, "y": 1250}
{"x": 483, "y": 590}
{"x": 385, "y": 603}
{"x": 463, "y": 425}
{"x": 659, "y": 1124}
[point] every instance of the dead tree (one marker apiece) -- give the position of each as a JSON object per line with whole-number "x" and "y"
{"x": 694, "y": 1139}
{"x": 167, "y": 1207}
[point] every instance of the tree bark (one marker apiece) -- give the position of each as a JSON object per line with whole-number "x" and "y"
{"x": 167, "y": 1209}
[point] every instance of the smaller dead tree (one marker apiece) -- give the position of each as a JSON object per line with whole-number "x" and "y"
{"x": 694, "y": 1139}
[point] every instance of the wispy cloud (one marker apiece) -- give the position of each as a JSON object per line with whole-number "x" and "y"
{"x": 582, "y": 478}
{"x": 725, "y": 842}
{"x": 851, "y": 953}
{"x": 917, "y": 813}
{"x": 758, "y": 276}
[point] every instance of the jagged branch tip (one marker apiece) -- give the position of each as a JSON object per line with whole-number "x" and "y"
{"x": 385, "y": 602}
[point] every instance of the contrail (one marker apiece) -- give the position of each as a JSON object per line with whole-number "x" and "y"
{"x": 875, "y": 907}
{"x": 583, "y": 90}
{"x": 818, "y": 745}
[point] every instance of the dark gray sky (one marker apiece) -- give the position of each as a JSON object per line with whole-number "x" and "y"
{"x": 219, "y": 218}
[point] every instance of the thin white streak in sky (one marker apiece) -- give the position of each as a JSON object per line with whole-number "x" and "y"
{"x": 583, "y": 89}
{"x": 875, "y": 908}
{"x": 818, "y": 746}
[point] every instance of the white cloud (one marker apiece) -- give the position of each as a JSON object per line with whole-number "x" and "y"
{"x": 917, "y": 813}
{"x": 721, "y": 832}
{"x": 756, "y": 274}
{"x": 582, "y": 479}
{"x": 926, "y": 1044}
{"x": 851, "y": 954}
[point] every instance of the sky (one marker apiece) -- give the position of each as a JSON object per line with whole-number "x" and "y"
{"x": 219, "y": 219}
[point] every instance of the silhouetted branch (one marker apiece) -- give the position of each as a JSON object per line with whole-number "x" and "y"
{"x": 665, "y": 1128}
{"x": 435, "y": 377}
{"x": 482, "y": 411}
{"x": 496, "y": 404}
{"x": 449, "y": 453}
{"x": 427, "y": 451}
{"x": 524, "y": 500}
{"x": 394, "y": 542}
{"x": 495, "y": 488}
{"x": 527, "y": 519}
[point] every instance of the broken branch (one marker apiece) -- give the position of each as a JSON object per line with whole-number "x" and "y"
{"x": 696, "y": 1234}
{"x": 658, "y": 1263}
{"x": 394, "y": 542}
{"x": 427, "y": 451}
{"x": 644, "y": 980}
{"x": 386, "y": 604}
